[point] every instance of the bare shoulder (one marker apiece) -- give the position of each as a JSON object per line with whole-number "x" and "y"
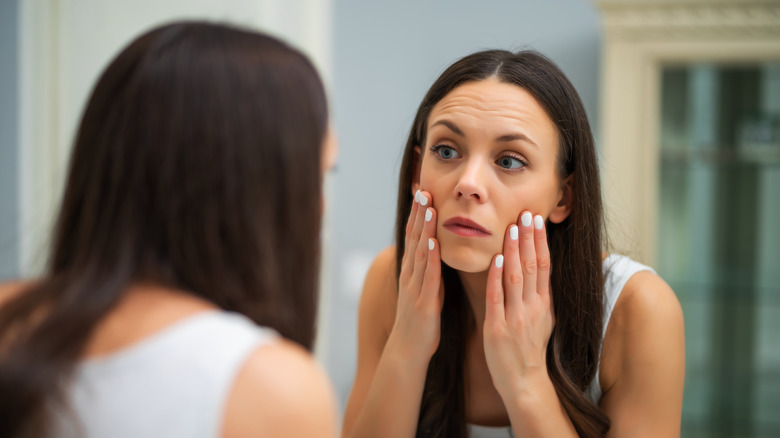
{"x": 10, "y": 289}
{"x": 643, "y": 360}
{"x": 381, "y": 276}
{"x": 281, "y": 391}
{"x": 378, "y": 300}
{"x": 376, "y": 317}
{"x": 647, "y": 319}
{"x": 647, "y": 302}
{"x": 382, "y": 270}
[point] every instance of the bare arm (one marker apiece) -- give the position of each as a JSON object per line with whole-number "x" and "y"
{"x": 386, "y": 395}
{"x": 397, "y": 335}
{"x": 643, "y": 360}
{"x": 281, "y": 391}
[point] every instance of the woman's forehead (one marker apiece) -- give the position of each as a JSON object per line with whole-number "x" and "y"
{"x": 488, "y": 97}
{"x": 490, "y": 103}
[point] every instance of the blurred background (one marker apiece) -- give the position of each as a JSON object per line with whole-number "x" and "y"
{"x": 684, "y": 99}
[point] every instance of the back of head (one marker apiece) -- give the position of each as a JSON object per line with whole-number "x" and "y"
{"x": 197, "y": 167}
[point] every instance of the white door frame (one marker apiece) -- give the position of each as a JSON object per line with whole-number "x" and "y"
{"x": 640, "y": 37}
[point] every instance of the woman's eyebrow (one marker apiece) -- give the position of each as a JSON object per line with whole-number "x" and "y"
{"x": 504, "y": 138}
{"x": 449, "y": 125}
{"x": 513, "y": 137}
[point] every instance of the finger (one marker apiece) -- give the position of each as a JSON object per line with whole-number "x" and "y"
{"x": 494, "y": 292}
{"x": 527, "y": 255}
{"x": 424, "y": 229}
{"x": 412, "y": 212}
{"x": 513, "y": 272}
{"x": 412, "y": 238}
{"x": 419, "y": 217}
{"x": 431, "y": 285}
{"x": 422, "y": 256}
{"x": 542, "y": 258}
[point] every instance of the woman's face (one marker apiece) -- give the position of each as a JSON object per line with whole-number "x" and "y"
{"x": 490, "y": 154}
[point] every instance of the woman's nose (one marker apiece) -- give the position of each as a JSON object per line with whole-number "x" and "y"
{"x": 471, "y": 184}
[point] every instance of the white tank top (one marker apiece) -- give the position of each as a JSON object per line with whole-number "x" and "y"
{"x": 172, "y": 384}
{"x": 618, "y": 270}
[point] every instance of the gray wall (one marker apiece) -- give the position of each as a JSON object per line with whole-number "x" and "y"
{"x": 386, "y": 55}
{"x": 9, "y": 97}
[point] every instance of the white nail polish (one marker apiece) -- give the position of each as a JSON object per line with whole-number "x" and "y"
{"x": 499, "y": 261}
{"x": 417, "y": 196}
{"x": 526, "y": 219}
{"x": 538, "y": 222}
{"x": 513, "y": 232}
{"x": 423, "y": 200}
{"x": 430, "y": 244}
{"x": 428, "y": 215}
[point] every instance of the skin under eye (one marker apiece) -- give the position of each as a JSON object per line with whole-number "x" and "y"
{"x": 445, "y": 152}
{"x": 511, "y": 163}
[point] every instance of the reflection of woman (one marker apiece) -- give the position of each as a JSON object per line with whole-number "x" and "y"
{"x": 503, "y": 302}
{"x": 190, "y": 216}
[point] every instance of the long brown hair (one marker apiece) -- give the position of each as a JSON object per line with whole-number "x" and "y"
{"x": 196, "y": 166}
{"x": 576, "y": 246}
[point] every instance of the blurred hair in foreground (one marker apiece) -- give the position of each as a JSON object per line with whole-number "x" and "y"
{"x": 196, "y": 167}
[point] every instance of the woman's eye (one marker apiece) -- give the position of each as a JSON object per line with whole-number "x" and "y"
{"x": 445, "y": 152}
{"x": 510, "y": 163}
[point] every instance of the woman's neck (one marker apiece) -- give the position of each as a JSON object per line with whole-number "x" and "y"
{"x": 474, "y": 284}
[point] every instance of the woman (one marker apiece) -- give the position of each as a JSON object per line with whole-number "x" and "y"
{"x": 185, "y": 250}
{"x": 506, "y": 316}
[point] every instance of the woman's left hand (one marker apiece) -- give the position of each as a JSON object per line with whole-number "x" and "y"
{"x": 518, "y": 317}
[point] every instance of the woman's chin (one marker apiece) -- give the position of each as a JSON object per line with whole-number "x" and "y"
{"x": 467, "y": 260}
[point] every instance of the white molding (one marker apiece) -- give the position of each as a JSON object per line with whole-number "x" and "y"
{"x": 638, "y": 41}
{"x": 666, "y": 20}
{"x": 39, "y": 158}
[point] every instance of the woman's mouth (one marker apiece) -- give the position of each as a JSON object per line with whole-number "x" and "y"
{"x": 465, "y": 227}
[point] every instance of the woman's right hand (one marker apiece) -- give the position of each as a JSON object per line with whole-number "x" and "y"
{"x": 420, "y": 289}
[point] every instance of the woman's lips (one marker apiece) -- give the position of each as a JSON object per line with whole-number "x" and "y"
{"x": 465, "y": 227}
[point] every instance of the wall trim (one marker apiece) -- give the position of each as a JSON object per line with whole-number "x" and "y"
{"x": 672, "y": 20}
{"x": 640, "y": 37}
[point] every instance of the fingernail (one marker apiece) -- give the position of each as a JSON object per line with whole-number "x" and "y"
{"x": 526, "y": 219}
{"x": 499, "y": 261}
{"x": 423, "y": 199}
{"x": 430, "y": 244}
{"x": 428, "y": 215}
{"x": 513, "y": 232}
{"x": 538, "y": 222}
{"x": 417, "y": 196}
